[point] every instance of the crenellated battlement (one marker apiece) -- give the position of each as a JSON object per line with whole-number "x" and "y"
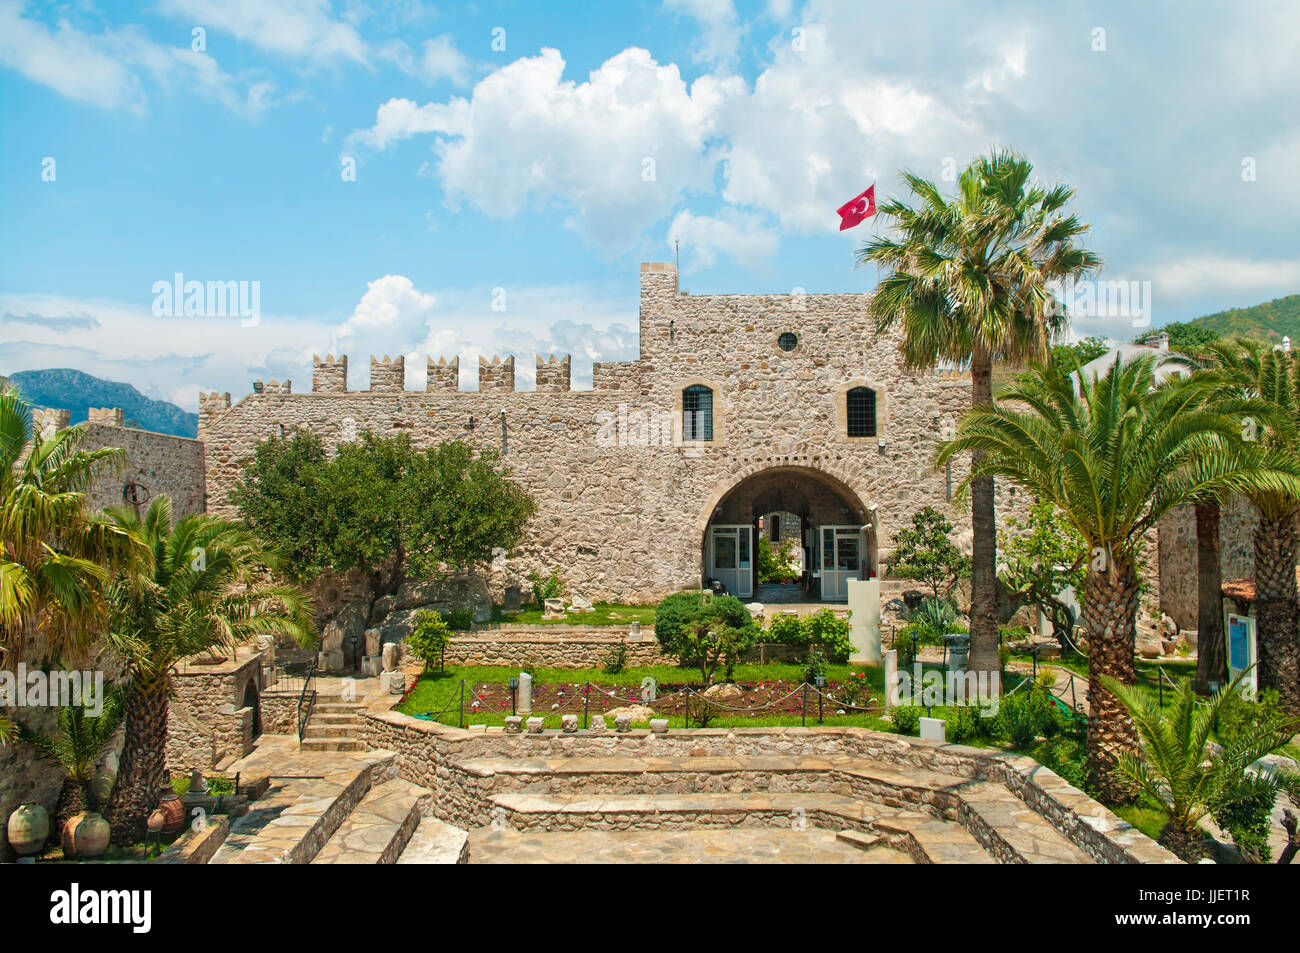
{"x": 443, "y": 375}
{"x": 105, "y": 416}
{"x": 554, "y": 375}
{"x": 329, "y": 376}
{"x": 496, "y": 376}
{"x": 387, "y": 375}
{"x": 47, "y": 420}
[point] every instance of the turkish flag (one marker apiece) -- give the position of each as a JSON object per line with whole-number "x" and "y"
{"x": 858, "y": 209}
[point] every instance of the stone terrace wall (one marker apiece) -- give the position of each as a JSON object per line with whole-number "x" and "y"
{"x": 427, "y": 751}
{"x": 624, "y": 515}
{"x": 575, "y": 647}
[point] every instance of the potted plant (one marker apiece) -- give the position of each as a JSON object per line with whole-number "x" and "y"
{"x": 77, "y": 746}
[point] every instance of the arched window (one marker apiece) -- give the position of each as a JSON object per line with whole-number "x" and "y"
{"x": 697, "y": 413}
{"x": 862, "y": 412}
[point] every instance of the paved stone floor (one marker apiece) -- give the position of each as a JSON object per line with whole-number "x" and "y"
{"x": 731, "y": 846}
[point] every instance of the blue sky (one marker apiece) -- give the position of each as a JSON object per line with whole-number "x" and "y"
{"x": 537, "y": 176}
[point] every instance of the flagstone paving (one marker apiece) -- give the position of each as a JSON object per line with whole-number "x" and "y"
{"x": 748, "y": 846}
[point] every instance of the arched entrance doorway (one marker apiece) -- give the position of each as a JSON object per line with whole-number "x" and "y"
{"x": 824, "y": 522}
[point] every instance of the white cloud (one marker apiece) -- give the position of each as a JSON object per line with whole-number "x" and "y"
{"x": 744, "y": 237}
{"x": 400, "y": 119}
{"x": 302, "y": 29}
{"x": 619, "y": 150}
{"x": 103, "y": 69}
{"x": 720, "y": 28}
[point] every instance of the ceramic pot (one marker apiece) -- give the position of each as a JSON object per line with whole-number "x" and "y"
{"x": 85, "y": 836}
{"x": 174, "y": 808}
{"x": 29, "y": 826}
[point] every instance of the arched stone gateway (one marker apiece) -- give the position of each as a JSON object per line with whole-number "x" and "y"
{"x": 837, "y": 532}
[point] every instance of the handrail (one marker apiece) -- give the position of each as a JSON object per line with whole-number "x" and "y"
{"x": 308, "y": 685}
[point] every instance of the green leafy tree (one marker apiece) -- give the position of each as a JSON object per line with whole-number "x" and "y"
{"x": 776, "y": 563}
{"x": 1071, "y": 356}
{"x": 925, "y": 552}
{"x": 382, "y": 506}
{"x": 210, "y": 586}
{"x": 1187, "y": 336}
{"x": 1041, "y": 557}
{"x": 429, "y": 638}
{"x": 1178, "y": 772}
{"x": 1114, "y": 455}
{"x": 702, "y": 629}
{"x": 968, "y": 280}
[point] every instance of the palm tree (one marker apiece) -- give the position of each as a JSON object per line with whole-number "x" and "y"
{"x": 968, "y": 282}
{"x": 208, "y": 589}
{"x": 1251, "y": 369}
{"x": 1175, "y": 768}
{"x": 80, "y": 740}
{"x": 1114, "y": 455}
{"x": 55, "y": 552}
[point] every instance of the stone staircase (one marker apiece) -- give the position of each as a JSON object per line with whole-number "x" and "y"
{"x": 334, "y": 725}
{"x": 929, "y": 816}
{"x": 336, "y": 806}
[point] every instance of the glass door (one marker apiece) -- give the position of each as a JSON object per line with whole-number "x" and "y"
{"x": 841, "y": 560}
{"x": 731, "y": 558}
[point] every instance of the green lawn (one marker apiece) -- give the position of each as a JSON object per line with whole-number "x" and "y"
{"x": 605, "y": 613}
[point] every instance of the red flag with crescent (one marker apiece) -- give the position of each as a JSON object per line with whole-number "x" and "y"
{"x": 857, "y": 209}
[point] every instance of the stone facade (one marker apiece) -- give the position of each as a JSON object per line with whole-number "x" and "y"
{"x": 215, "y": 713}
{"x": 161, "y": 463}
{"x": 1177, "y": 559}
{"x": 553, "y": 647}
{"x": 624, "y": 500}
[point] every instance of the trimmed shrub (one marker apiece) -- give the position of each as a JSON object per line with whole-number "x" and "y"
{"x": 702, "y": 629}
{"x": 906, "y": 719}
{"x": 429, "y": 638}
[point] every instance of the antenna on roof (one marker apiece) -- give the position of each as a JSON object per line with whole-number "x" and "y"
{"x": 677, "y": 254}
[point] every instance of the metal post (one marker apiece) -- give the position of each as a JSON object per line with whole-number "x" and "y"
{"x": 460, "y": 718}
{"x": 1160, "y": 683}
{"x": 803, "y": 709}
{"x": 586, "y": 701}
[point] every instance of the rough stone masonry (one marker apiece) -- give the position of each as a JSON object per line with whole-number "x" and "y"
{"x": 625, "y": 496}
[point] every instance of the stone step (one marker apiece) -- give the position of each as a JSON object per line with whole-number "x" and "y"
{"x": 891, "y": 786}
{"x": 298, "y": 814}
{"x": 536, "y": 812}
{"x": 749, "y": 845}
{"x": 336, "y": 718}
{"x": 315, "y": 731}
{"x": 337, "y": 708}
{"x": 377, "y": 830}
{"x": 436, "y": 842}
{"x": 930, "y": 840}
{"x": 332, "y": 744}
{"x": 1012, "y": 830}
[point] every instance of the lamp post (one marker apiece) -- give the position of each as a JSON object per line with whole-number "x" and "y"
{"x": 820, "y": 681}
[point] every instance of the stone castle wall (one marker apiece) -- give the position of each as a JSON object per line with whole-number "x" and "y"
{"x": 623, "y": 501}
{"x": 1178, "y": 572}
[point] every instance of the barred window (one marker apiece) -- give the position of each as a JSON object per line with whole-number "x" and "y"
{"x": 862, "y": 412}
{"x": 697, "y": 413}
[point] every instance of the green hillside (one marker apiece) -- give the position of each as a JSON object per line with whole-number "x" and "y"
{"x": 77, "y": 391}
{"x": 1269, "y": 321}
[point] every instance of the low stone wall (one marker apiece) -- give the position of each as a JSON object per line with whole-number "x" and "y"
{"x": 429, "y": 754}
{"x": 208, "y": 721}
{"x": 280, "y": 713}
{"x": 553, "y": 647}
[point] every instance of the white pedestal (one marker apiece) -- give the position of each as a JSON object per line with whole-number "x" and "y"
{"x": 864, "y": 621}
{"x": 933, "y": 729}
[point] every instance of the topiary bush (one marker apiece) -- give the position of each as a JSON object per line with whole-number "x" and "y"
{"x": 429, "y": 638}
{"x": 962, "y": 724}
{"x": 702, "y": 629}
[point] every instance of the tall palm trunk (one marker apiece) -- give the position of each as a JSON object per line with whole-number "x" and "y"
{"x": 73, "y": 799}
{"x": 1211, "y": 653}
{"x": 143, "y": 764}
{"x": 1112, "y": 601}
{"x": 1276, "y": 610}
{"x": 984, "y": 642}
